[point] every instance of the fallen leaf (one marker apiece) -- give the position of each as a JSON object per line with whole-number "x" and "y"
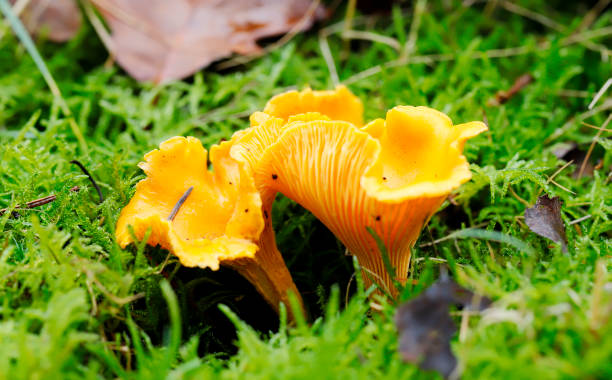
{"x": 545, "y": 220}
{"x": 59, "y": 19}
{"x": 425, "y": 326}
{"x": 503, "y": 96}
{"x": 160, "y": 40}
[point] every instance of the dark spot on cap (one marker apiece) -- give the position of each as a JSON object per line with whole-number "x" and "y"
{"x": 274, "y": 176}
{"x": 246, "y": 210}
{"x": 377, "y": 218}
{"x": 231, "y": 183}
{"x": 384, "y": 178}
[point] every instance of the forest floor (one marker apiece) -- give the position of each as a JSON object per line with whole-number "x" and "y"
{"x": 73, "y": 304}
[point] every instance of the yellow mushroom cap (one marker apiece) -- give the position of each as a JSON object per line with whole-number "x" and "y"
{"x": 421, "y": 154}
{"x": 219, "y": 220}
{"x": 338, "y": 104}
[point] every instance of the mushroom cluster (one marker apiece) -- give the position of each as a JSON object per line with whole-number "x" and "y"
{"x": 388, "y": 176}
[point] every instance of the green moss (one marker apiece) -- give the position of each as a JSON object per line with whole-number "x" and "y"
{"x": 73, "y": 304}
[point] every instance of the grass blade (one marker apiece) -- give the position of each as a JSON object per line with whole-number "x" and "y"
{"x": 27, "y": 42}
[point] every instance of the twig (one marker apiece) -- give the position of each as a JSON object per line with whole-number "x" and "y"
{"x": 582, "y": 219}
{"x": 552, "y": 177}
{"x": 596, "y": 127}
{"x": 599, "y": 93}
{"x": 88, "y": 174}
{"x": 410, "y": 45}
{"x": 592, "y": 14}
{"x": 518, "y": 198}
{"x": 569, "y": 93}
{"x": 369, "y": 36}
{"x": 339, "y": 26}
{"x": 348, "y": 25}
{"x": 562, "y": 187}
{"x": 503, "y": 96}
{"x": 37, "y": 202}
{"x": 556, "y": 173}
{"x": 348, "y": 287}
{"x": 98, "y": 26}
{"x": 329, "y": 59}
{"x": 178, "y": 204}
{"x": 588, "y": 35}
{"x": 161, "y": 268}
{"x": 588, "y": 153}
{"x": 528, "y": 13}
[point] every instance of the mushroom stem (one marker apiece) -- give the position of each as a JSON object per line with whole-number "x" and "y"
{"x": 374, "y": 272}
{"x": 269, "y": 274}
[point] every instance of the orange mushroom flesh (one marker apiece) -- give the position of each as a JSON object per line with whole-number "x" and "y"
{"x": 390, "y": 176}
{"x": 338, "y": 104}
{"x": 219, "y": 221}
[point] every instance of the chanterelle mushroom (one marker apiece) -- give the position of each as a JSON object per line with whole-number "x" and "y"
{"x": 390, "y": 176}
{"x": 337, "y": 104}
{"x": 282, "y": 111}
{"x": 219, "y": 222}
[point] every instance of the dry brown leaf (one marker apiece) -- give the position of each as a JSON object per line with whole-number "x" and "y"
{"x": 545, "y": 220}
{"x": 161, "y": 40}
{"x": 425, "y": 326}
{"x": 60, "y": 20}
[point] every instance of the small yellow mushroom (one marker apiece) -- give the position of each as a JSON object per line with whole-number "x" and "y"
{"x": 218, "y": 222}
{"x": 390, "y": 176}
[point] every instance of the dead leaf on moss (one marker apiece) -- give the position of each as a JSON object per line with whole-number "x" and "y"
{"x": 161, "y": 40}
{"x": 425, "y": 326}
{"x": 60, "y": 20}
{"x": 545, "y": 220}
